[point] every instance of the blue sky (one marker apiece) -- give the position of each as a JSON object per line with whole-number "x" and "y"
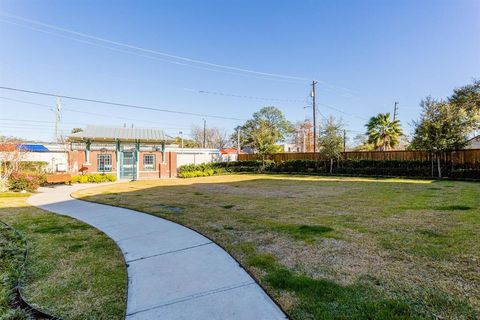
{"x": 367, "y": 55}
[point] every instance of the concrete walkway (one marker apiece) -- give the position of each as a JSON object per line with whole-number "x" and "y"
{"x": 173, "y": 272}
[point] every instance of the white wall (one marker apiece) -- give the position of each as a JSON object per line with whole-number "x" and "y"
{"x": 52, "y": 158}
{"x": 194, "y": 155}
{"x": 229, "y": 157}
{"x": 474, "y": 143}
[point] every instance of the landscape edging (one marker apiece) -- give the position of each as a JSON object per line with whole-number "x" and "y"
{"x": 209, "y": 238}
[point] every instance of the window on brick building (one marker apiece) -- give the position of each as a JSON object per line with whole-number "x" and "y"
{"x": 104, "y": 162}
{"x": 149, "y": 162}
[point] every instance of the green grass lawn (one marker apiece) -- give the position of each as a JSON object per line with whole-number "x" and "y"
{"x": 334, "y": 248}
{"x": 73, "y": 271}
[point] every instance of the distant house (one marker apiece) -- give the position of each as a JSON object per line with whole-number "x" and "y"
{"x": 291, "y": 147}
{"x": 473, "y": 143}
{"x": 230, "y": 154}
{"x": 50, "y": 157}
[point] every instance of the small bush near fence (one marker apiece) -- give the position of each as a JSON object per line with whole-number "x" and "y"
{"x": 394, "y": 168}
{"x": 200, "y": 170}
{"x": 20, "y": 181}
{"x": 94, "y": 178}
{"x": 33, "y": 166}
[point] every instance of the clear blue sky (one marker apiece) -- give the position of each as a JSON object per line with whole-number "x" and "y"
{"x": 369, "y": 54}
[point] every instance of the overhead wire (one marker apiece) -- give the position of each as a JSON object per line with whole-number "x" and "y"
{"x": 155, "y": 52}
{"x": 125, "y": 105}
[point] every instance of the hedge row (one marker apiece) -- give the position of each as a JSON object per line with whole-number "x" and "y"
{"x": 93, "y": 178}
{"x": 201, "y": 170}
{"x": 347, "y": 167}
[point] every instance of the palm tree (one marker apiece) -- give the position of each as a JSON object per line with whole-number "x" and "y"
{"x": 382, "y": 132}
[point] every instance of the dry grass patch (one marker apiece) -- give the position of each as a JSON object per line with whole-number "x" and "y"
{"x": 330, "y": 248}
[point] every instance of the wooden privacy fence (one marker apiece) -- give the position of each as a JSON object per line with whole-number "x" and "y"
{"x": 466, "y": 157}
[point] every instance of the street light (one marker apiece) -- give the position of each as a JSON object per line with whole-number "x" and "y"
{"x": 181, "y": 136}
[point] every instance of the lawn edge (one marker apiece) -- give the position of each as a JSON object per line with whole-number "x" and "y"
{"x": 206, "y": 236}
{"x": 19, "y": 300}
{"x": 340, "y": 175}
{"x": 125, "y": 265}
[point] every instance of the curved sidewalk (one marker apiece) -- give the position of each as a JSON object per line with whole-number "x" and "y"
{"x": 173, "y": 272}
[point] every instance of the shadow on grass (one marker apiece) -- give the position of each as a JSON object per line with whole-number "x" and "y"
{"x": 454, "y": 208}
{"x": 263, "y": 204}
{"x": 325, "y": 299}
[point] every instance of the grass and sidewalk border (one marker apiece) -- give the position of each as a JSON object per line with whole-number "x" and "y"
{"x": 138, "y": 190}
{"x": 19, "y": 299}
{"x": 266, "y": 291}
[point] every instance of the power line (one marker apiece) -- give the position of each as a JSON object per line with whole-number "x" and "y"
{"x": 28, "y": 102}
{"x": 26, "y": 125}
{"x": 41, "y": 121}
{"x": 246, "y": 97}
{"x": 118, "y": 104}
{"x": 341, "y": 111}
{"x": 274, "y": 99}
{"x": 150, "y": 51}
{"x": 40, "y": 128}
{"x": 147, "y": 56}
{"x": 91, "y": 113}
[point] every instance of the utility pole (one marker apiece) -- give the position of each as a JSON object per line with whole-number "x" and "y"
{"x": 58, "y": 117}
{"x": 395, "y": 111}
{"x": 238, "y": 141}
{"x": 204, "y": 133}
{"x": 344, "y": 140}
{"x": 314, "y": 107}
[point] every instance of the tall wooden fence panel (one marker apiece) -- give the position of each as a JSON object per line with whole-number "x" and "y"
{"x": 462, "y": 158}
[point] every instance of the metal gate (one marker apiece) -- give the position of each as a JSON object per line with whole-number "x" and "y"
{"x": 127, "y": 165}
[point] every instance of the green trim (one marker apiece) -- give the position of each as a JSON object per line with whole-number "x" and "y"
{"x": 117, "y": 154}
{"x": 163, "y": 152}
{"x": 87, "y": 152}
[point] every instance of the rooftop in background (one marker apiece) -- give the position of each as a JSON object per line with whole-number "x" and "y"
{"x": 94, "y": 132}
{"x": 230, "y": 151}
{"x": 32, "y": 147}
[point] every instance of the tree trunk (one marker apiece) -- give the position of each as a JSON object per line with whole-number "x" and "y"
{"x": 439, "y": 167}
{"x": 431, "y": 160}
{"x": 331, "y": 165}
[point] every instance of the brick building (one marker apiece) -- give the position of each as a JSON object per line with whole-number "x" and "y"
{"x": 128, "y": 153}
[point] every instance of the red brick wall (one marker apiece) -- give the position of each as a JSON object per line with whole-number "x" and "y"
{"x": 163, "y": 169}
{"x": 77, "y": 162}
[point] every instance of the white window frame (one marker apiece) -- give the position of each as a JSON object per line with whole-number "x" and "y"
{"x": 149, "y": 166}
{"x": 107, "y": 166}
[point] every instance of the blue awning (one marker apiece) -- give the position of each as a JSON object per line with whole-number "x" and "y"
{"x": 33, "y": 147}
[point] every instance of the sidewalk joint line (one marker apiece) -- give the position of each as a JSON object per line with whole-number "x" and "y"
{"x": 195, "y": 296}
{"x": 168, "y": 252}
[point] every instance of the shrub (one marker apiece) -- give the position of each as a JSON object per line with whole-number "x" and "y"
{"x": 33, "y": 166}
{"x": 20, "y": 181}
{"x": 473, "y": 174}
{"x": 392, "y": 168}
{"x": 201, "y": 170}
{"x": 93, "y": 178}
